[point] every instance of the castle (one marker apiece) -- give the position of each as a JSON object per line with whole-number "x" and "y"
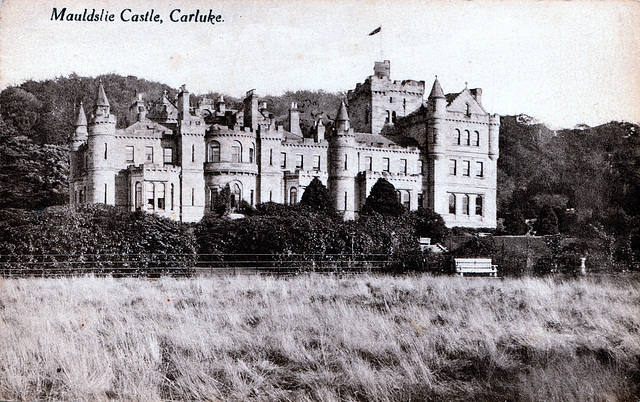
{"x": 174, "y": 161}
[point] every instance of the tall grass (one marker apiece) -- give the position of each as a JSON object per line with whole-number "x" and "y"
{"x": 319, "y": 338}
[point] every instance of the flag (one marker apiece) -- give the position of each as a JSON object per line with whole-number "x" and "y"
{"x": 375, "y": 31}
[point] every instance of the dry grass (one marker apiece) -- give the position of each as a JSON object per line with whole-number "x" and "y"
{"x": 319, "y": 338}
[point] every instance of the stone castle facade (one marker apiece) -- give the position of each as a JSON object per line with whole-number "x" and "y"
{"x": 440, "y": 152}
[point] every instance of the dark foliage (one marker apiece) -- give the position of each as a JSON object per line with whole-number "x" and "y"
{"x": 547, "y": 222}
{"x": 317, "y": 198}
{"x": 430, "y": 224}
{"x": 383, "y": 200}
{"x": 514, "y": 223}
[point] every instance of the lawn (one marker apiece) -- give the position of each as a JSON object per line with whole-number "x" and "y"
{"x": 320, "y": 338}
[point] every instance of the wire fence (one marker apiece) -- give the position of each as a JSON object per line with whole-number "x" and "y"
{"x": 154, "y": 265}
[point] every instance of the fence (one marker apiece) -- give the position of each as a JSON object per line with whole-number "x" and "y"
{"x": 200, "y": 264}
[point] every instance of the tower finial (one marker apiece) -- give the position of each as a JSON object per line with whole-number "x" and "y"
{"x": 342, "y": 112}
{"x": 81, "y": 119}
{"x": 101, "y": 99}
{"x": 436, "y": 90}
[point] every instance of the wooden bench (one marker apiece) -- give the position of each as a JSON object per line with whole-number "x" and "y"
{"x": 475, "y": 266}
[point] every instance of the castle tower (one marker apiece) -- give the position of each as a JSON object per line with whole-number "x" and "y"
{"x": 342, "y": 164}
{"x": 436, "y": 166}
{"x": 76, "y": 140}
{"x": 192, "y": 157}
{"x": 101, "y": 150}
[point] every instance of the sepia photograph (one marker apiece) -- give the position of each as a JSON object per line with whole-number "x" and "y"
{"x": 319, "y": 200}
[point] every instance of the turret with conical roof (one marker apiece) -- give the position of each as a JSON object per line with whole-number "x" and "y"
{"x": 80, "y": 134}
{"x": 436, "y": 114}
{"x": 102, "y": 103}
{"x": 342, "y": 164}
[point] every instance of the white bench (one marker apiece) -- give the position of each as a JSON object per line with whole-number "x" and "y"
{"x": 475, "y": 266}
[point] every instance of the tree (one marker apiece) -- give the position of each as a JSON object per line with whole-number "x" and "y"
{"x": 383, "y": 200}
{"x": 317, "y": 198}
{"x": 515, "y": 224}
{"x": 547, "y": 222}
{"x": 430, "y": 224}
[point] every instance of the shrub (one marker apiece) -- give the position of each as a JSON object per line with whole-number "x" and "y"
{"x": 383, "y": 200}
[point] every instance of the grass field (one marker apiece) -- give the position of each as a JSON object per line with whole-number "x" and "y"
{"x": 320, "y": 338}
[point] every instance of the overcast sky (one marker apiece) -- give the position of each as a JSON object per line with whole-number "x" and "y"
{"x": 564, "y": 62}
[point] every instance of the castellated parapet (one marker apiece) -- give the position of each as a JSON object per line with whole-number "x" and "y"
{"x": 175, "y": 160}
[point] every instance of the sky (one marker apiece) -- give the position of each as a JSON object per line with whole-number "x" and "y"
{"x": 562, "y": 62}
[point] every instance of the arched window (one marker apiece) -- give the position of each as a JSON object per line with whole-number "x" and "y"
{"x": 476, "y": 138}
{"x": 465, "y": 204}
{"x": 452, "y": 203}
{"x": 236, "y": 195}
{"x": 479, "y": 205}
{"x": 138, "y": 195}
{"x": 214, "y": 151}
{"x": 293, "y": 196}
{"x": 467, "y": 137}
{"x": 214, "y": 193}
{"x": 236, "y": 152}
{"x": 251, "y": 153}
{"x": 458, "y": 137}
{"x": 388, "y": 118}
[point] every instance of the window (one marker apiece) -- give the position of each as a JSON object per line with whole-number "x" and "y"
{"x": 129, "y": 153}
{"x": 251, "y": 154}
{"x": 236, "y": 153}
{"x": 452, "y": 203}
{"x": 465, "y": 204}
{"x": 403, "y": 166}
{"x": 420, "y": 200}
{"x": 283, "y": 164}
{"x": 346, "y": 162}
{"x": 214, "y": 193}
{"x": 385, "y": 164}
{"x": 105, "y": 193}
{"x": 161, "y": 204}
{"x": 214, "y": 152}
{"x": 393, "y": 117}
{"x": 293, "y": 196}
{"x": 479, "y": 169}
{"x": 476, "y": 139}
{"x": 271, "y": 157}
{"x": 468, "y": 110}
{"x": 479, "y": 205}
{"x": 251, "y": 198}
{"x": 390, "y": 99}
{"x": 168, "y": 156}
{"x": 420, "y": 167}
{"x": 467, "y": 137}
{"x": 346, "y": 195}
{"x": 388, "y": 118}
{"x": 149, "y": 153}
{"x": 299, "y": 161}
{"x": 172, "y": 192}
{"x": 193, "y": 154}
{"x": 466, "y": 168}
{"x": 405, "y": 199}
{"x": 236, "y": 195}
{"x": 151, "y": 195}
{"x": 458, "y": 137}
{"x": 105, "y": 150}
{"x": 452, "y": 167}
{"x": 368, "y": 163}
{"x": 193, "y": 196}
{"x": 316, "y": 162}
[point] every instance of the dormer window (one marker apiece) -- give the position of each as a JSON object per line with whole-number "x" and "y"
{"x": 468, "y": 110}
